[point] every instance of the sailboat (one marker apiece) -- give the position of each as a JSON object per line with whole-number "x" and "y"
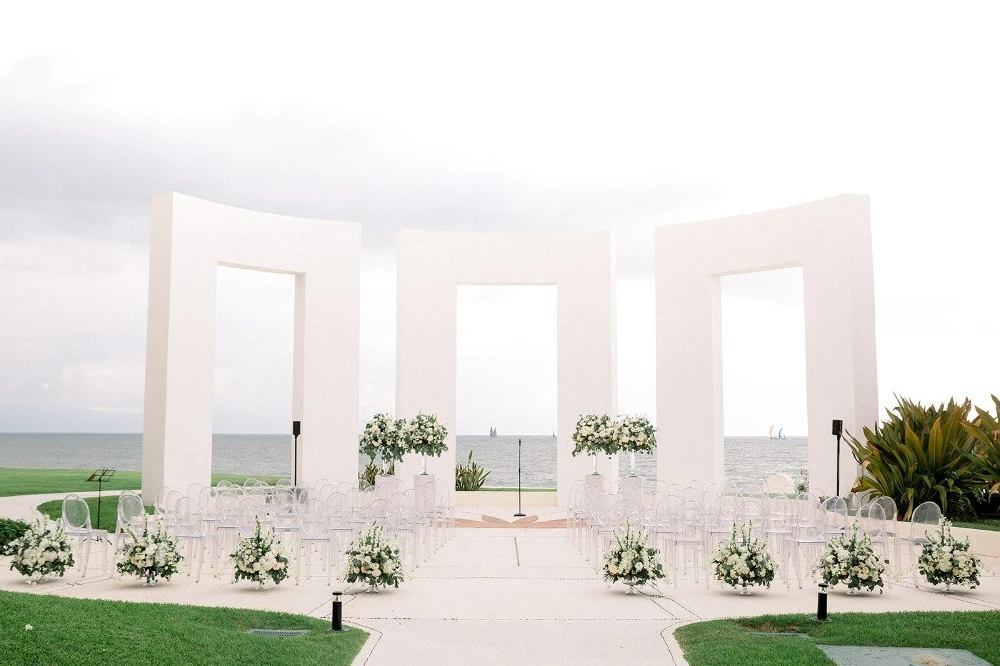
{"x": 493, "y": 431}
{"x": 780, "y": 435}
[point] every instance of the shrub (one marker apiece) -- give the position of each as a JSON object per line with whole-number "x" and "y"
{"x": 470, "y": 476}
{"x": 920, "y": 454}
{"x": 10, "y": 530}
{"x": 985, "y": 430}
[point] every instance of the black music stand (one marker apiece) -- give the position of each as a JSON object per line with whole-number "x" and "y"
{"x": 101, "y": 476}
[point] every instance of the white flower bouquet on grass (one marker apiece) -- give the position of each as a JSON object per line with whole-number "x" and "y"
{"x": 849, "y": 559}
{"x": 945, "y": 559}
{"x": 152, "y": 555}
{"x": 374, "y": 561}
{"x": 744, "y": 561}
{"x": 633, "y": 561}
{"x": 42, "y": 550}
{"x": 261, "y": 558}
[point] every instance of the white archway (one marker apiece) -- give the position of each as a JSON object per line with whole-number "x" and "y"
{"x": 190, "y": 239}
{"x": 831, "y": 240}
{"x": 431, "y": 265}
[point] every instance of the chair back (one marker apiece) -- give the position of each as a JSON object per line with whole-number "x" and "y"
{"x": 188, "y": 517}
{"x": 925, "y": 515}
{"x": 75, "y": 513}
{"x": 129, "y": 508}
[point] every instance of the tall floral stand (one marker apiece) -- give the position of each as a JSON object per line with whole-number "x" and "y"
{"x": 630, "y": 486}
{"x": 596, "y": 480}
{"x": 383, "y": 479}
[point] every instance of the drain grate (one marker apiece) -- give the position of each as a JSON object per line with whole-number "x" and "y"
{"x": 279, "y": 633}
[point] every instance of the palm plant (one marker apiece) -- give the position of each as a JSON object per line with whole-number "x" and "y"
{"x": 470, "y": 476}
{"x": 919, "y": 454}
{"x": 985, "y": 430}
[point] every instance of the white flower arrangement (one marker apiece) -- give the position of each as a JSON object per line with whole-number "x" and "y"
{"x": 632, "y": 560}
{"x": 42, "y": 550}
{"x": 374, "y": 561}
{"x": 945, "y": 559}
{"x": 849, "y": 559}
{"x": 744, "y": 561}
{"x": 423, "y": 434}
{"x": 595, "y": 434}
{"x": 261, "y": 558}
{"x": 635, "y": 434}
{"x": 383, "y": 438}
{"x": 152, "y": 555}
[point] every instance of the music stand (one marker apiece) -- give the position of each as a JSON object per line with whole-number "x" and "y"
{"x": 100, "y": 476}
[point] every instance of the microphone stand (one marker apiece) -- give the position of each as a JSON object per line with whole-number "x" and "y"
{"x": 519, "y": 513}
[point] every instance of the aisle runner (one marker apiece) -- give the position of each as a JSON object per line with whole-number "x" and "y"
{"x": 520, "y": 523}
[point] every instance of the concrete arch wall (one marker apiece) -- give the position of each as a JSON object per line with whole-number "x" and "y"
{"x": 190, "y": 239}
{"x": 831, "y": 240}
{"x": 431, "y": 265}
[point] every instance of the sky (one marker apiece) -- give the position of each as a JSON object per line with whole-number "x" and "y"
{"x": 516, "y": 116}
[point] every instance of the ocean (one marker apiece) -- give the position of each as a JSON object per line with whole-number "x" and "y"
{"x": 747, "y": 459}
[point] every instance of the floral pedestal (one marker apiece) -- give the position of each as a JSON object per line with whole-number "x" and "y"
{"x": 596, "y": 480}
{"x": 745, "y": 591}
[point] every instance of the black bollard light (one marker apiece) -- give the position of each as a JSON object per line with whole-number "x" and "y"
{"x": 336, "y": 614}
{"x": 821, "y": 604}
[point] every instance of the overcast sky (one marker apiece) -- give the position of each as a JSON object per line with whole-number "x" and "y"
{"x": 522, "y": 116}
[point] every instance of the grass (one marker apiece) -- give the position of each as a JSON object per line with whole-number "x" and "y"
{"x": 727, "y": 643}
{"x": 514, "y": 490}
{"x": 976, "y": 523}
{"x": 26, "y": 481}
{"x": 109, "y": 511}
{"x": 64, "y": 631}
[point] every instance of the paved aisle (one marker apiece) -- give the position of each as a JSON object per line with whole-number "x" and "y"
{"x": 503, "y": 596}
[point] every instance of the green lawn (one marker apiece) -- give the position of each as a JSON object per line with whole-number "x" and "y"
{"x": 992, "y": 524}
{"x": 109, "y": 511}
{"x": 25, "y": 481}
{"x": 727, "y": 643}
{"x": 81, "y": 632}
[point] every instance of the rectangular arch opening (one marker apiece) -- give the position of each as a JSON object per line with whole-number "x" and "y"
{"x": 506, "y": 382}
{"x": 253, "y": 367}
{"x": 764, "y": 376}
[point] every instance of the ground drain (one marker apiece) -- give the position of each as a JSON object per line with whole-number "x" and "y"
{"x": 279, "y": 633}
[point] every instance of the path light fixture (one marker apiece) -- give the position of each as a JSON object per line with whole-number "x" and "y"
{"x": 336, "y": 614}
{"x": 821, "y": 615}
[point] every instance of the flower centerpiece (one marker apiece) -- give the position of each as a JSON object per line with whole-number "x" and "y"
{"x": 849, "y": 559}
{"x": 423, "y": 434}
{"x": 635, "y": 434}
{"x": 945, "y": 559}
{"x": 374, "y": 561}
{"x": 42, "y": 550}
{"x": 152, "y": 555}
{"x": 632, "y": 560}
{"x": 383, "y": 438}
{"x": 744, "y": 561}
{"x": 595, "y": 434}
{"x": 261, "y": 558}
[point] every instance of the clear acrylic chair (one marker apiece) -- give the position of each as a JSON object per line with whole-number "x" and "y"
{"x": 188, "y": 527}
{"x": 314, "y": 533}
{"x": 131, "y": 513}
{"x": 76, "y": 524}
{"x": 926, "y": 517}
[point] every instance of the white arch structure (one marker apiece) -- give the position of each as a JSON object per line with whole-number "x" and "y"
{"x": 190, "y": 239}
{"x": 831, "y": 240}
{"x": 431, "y": 265}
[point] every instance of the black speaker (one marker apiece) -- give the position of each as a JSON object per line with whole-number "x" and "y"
{"x": 838, "y": 427}
{"x": 296, "y": 428}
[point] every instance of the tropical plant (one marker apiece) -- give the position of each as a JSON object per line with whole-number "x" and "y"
{"x": 10, "y": 530}
{"x": 368, "y": 476}
{"x": 383, "y": 438}
{"x": 470, "y": 476}
{"x": 919, "y": 454}
{"x": 985, "y": 430}
{"x": 945, "y": 559}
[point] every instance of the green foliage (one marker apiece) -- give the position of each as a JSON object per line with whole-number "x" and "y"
{"x": 367, "y": 476}
{"x": 27, "y": 481}
{"x": 85, "y": 632}
{"x": 383, "y": 438}
{"x": 470, "y": 476}
{"x": 10, "y": 530}
{"x": 727, "y": 643}
{"x": 985, "y": 430}
{"x": 920, "y": 454}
